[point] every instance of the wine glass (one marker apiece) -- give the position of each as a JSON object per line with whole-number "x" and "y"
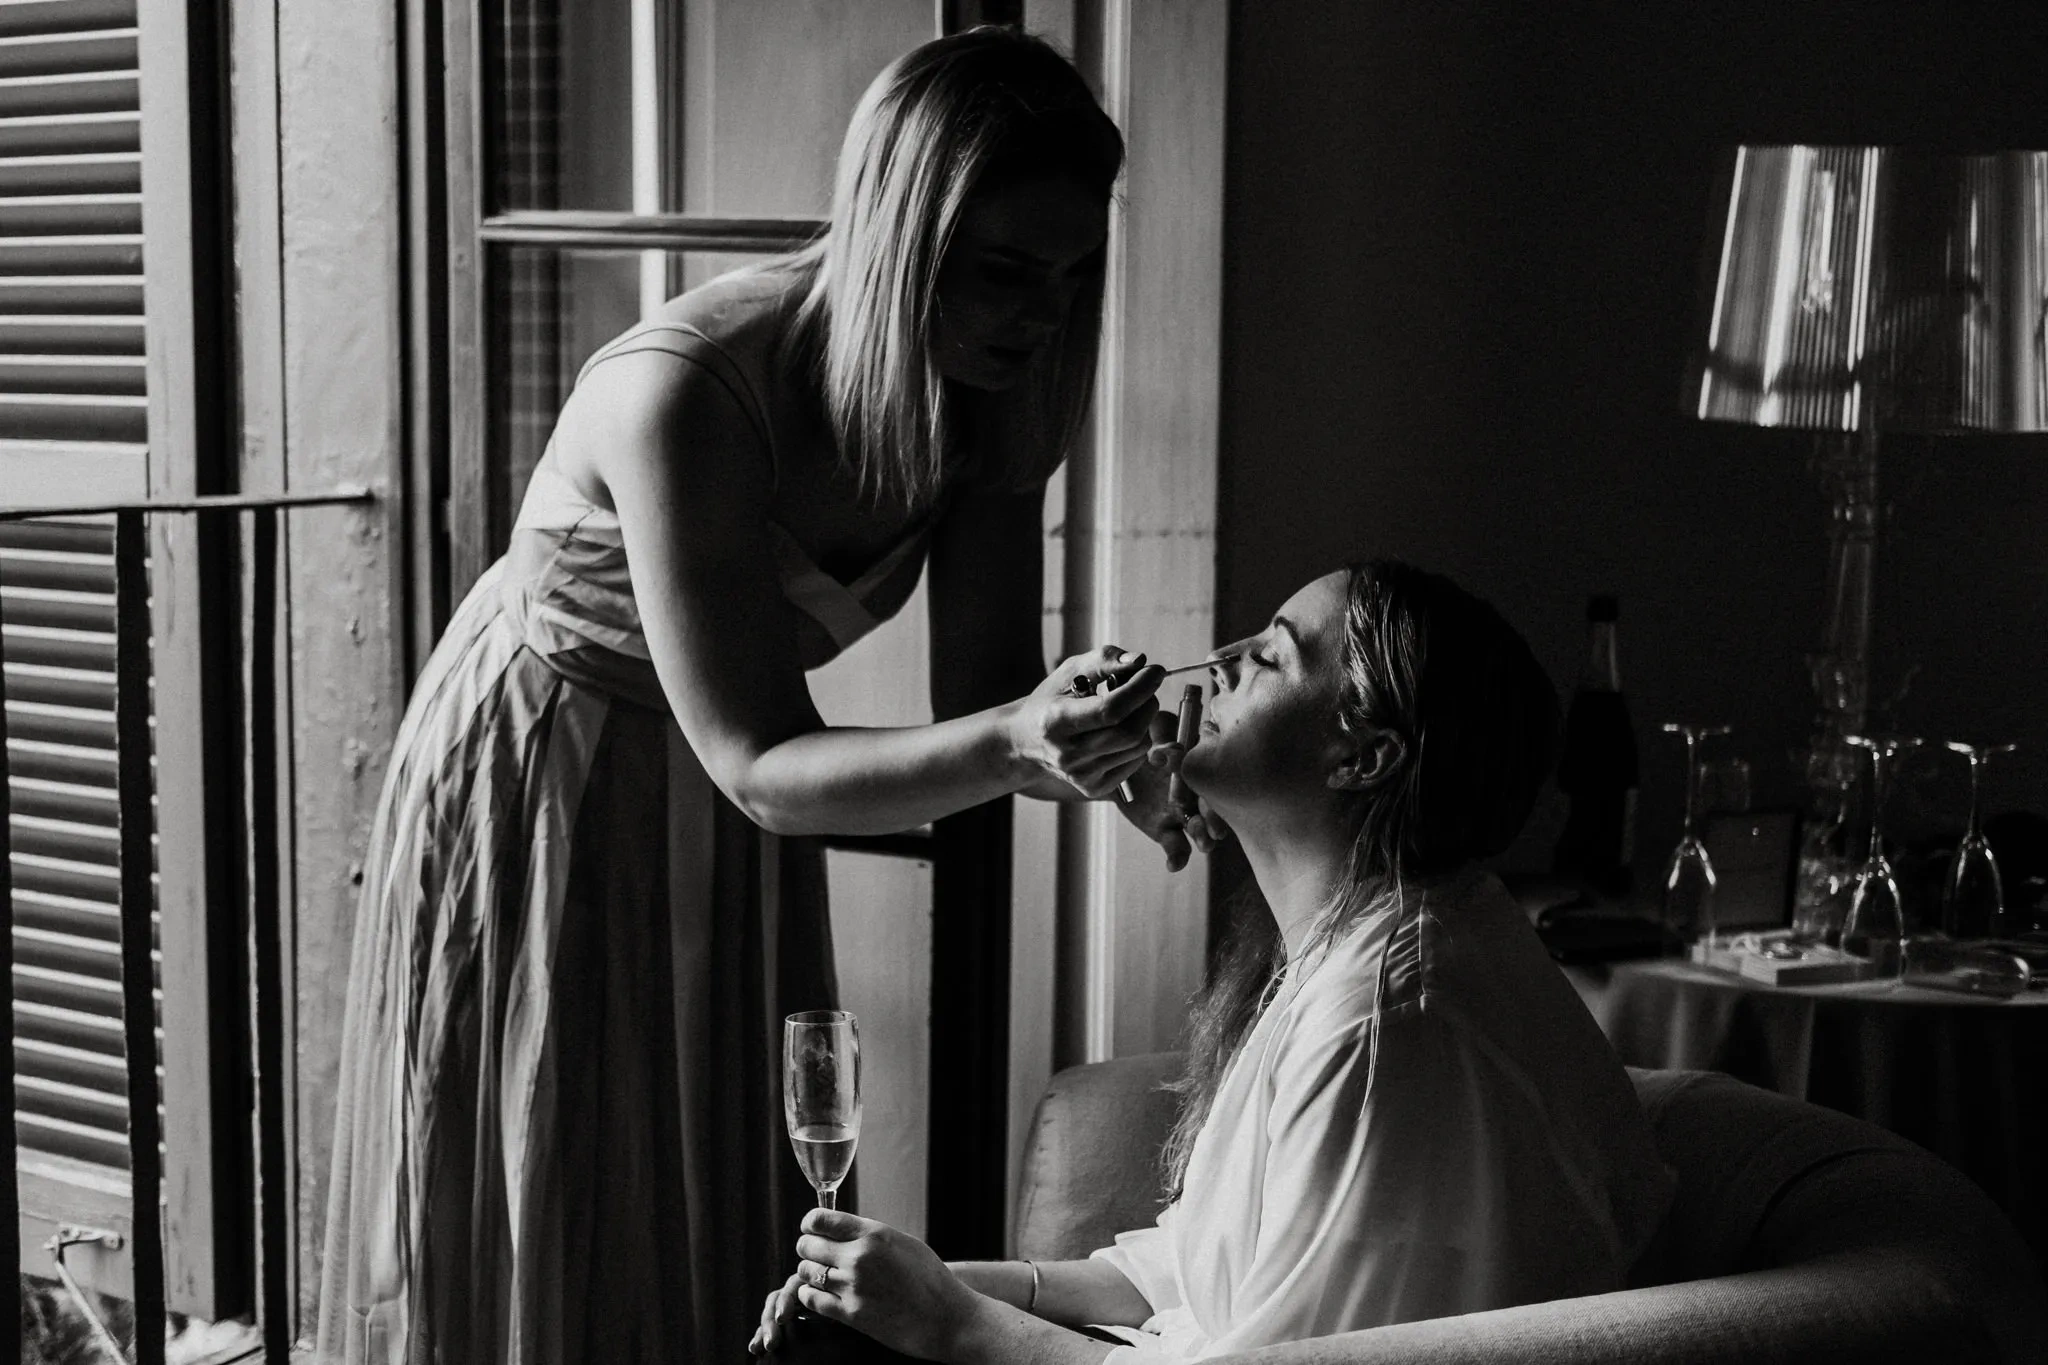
{"x": 1689, "y": 882}
{"x": 821, "y": 1096}
{"x": 1973, "y": 897}
{"x": 1876, "y": 926}
{"x": 1975, "y": 968}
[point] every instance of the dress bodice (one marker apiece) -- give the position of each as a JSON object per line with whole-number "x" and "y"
{"x": 565, "y": 572}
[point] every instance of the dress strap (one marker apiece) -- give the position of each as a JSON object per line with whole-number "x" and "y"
{"x": 686, "y": 342}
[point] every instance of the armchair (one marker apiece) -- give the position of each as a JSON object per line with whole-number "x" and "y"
{"x": 1797, "y": 1234}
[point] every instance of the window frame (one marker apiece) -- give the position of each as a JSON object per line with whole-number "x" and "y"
{"x": 451, "y": 285}
{"x": 1100, "y": 960}
{"x": 455, "y": 226}
{"x": 208, "y": 1229}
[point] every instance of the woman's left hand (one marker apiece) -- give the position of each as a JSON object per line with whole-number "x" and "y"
{"x": 882, "y": 1282}
{"x": 776, "y": 1314}
{"x": 1181, "y": 830}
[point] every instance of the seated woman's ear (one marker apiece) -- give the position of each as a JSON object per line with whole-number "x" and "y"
{"x": 1370, "y": 761}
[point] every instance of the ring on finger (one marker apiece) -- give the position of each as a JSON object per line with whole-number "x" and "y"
{"x": 818, "y": 1276}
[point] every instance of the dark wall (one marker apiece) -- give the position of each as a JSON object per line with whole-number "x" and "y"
{"x": 1463, "y": 249}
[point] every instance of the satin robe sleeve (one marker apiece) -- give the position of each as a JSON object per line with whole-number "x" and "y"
{"x": 1386, "y": 1193}
{"x": 1145, "y": 1256}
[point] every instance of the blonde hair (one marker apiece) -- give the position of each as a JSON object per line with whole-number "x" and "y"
{"x": 938, "y": 122}
{"x": 1428, "y": 660}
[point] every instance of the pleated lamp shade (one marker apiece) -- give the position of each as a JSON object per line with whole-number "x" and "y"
{"x": 1879, "y": 288}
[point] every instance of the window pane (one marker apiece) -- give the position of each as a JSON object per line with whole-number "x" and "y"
{"x": 561, "y": 88}
{"x": 767, "y": 90}
{"x": 729, "y": 107}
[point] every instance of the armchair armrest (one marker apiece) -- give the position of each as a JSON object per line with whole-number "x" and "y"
{"x": 1870, "y": 1307}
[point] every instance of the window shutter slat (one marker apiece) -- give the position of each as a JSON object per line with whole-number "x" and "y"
{"x": 86, "y": 49}
{"x": 70, "y": 134}
{"x": 75, "y": 801}
{"x": 101, "y": 212}
{"x": 92, "y": 1069}
{"x": 87, "y": 253}
{"x": 87, "y": 295}
{"x": 84, "y": 172}
{"x": 19, "y": 17}
{"x": 78, "y": 688}
{"x": 122, "y": 418}
{"x": 33, "y": 334}
{"x": 80, "y": 374}
{"x": 82, "y": 907}
{"x": 78, "y": 92}
{"x": 66, "y": 764}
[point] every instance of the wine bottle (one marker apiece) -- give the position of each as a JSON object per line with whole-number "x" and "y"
{"x": 1598, "y": 769}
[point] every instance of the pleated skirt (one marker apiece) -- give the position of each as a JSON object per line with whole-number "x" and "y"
{"x": 558, "y": 1135}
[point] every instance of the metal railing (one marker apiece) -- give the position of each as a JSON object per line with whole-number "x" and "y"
{"x": 268, "y": 972}
{"x": 969, "y": 853}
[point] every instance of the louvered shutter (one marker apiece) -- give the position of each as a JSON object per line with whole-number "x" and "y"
{"x": 73, "y": 416}
{"x": 57, "y": 605}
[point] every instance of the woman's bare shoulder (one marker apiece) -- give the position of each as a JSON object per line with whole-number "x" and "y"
{"x": 661, "y": 408}
{"x": 746, "y": 311}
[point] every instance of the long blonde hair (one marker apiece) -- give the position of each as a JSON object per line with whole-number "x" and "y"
{"x": 938, "y": 122}
{"x": 1480, "y": 720}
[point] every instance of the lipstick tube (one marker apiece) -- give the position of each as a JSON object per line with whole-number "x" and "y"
{"x": 1186, "y": 733}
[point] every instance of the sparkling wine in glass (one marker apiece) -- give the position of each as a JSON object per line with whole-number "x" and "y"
{"x": 1876, "y": 926}
{"x": 1973, "y": 897}
{"x": 821, "y": 1096}
{"x": 1689, "y": 882}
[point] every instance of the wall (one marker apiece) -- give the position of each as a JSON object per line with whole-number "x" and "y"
{"x": 1463, "y": 245}
{"x": 326, "y": 364}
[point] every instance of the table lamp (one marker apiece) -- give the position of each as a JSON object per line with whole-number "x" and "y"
{"x": 1859, "y": 291}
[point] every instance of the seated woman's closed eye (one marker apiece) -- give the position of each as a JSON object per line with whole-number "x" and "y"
{"x": 1383, "y": 1053}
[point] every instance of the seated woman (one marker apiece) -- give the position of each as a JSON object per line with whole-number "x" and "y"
{"x": 1395, "y": 1106}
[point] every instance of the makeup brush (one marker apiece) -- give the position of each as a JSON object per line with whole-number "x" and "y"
{"x": 1189, "y": 668}
{"x": 1086, "y": 685}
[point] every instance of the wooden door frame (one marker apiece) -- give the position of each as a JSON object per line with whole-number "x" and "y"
{"x": 1104, "y": 945}
{"x": 1109, "y": 945}
{"x": 208, "y": 1181}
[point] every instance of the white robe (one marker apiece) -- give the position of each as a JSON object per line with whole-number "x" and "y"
{"x": 1489, "y": 1152}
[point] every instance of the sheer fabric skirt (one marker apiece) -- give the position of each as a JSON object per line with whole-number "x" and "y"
{"x": 558, "y": 1134}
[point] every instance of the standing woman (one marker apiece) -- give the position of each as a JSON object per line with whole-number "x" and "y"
{"x": 557, "y": 1137}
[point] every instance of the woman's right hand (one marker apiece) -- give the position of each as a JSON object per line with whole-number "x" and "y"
{"x": 1089, "y": 743}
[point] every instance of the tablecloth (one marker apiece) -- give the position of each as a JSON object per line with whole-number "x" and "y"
{"x": 1964, "y": 1076}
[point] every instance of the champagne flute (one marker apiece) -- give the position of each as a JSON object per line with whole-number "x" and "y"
{"x": 1689, "y": 882}
{"x": 1876, "y": 926}
{"x": 1973, "y": 897}
{"x": 821, "y": 1096}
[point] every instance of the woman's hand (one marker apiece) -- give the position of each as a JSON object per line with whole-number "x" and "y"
{"x": 776, "y": 1314}
{"x": 1089, "y": 743}
{"x": 1180, "y": 829}
{"x": 881, "y": 1282}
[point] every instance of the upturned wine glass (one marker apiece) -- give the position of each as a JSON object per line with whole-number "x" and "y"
{"x": 1973, "y": 897}
{"x": 1939, "y": 963}
{"x": 821, "y": 1096}
{"x": 1876, "y": 926}
{"x": 1689, "y": 881}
